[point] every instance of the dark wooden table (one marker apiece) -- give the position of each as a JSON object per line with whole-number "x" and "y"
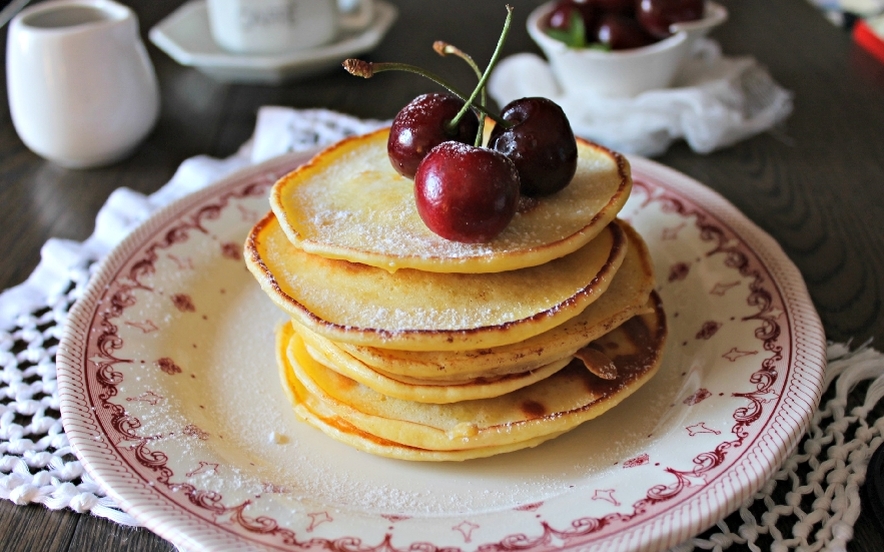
{"x": 816, "y": 184}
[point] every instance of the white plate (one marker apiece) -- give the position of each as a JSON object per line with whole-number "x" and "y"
{"x": 170, "y": 396}
{"x": 186, "y": 37}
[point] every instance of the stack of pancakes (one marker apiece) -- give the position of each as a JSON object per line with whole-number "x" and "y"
{"x": 407, "y": 345}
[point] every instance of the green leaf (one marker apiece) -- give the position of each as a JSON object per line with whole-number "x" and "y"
{"x": 575, "y": 36}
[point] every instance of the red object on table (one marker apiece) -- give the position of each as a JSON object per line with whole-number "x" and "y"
{"x": 865, "y": 36}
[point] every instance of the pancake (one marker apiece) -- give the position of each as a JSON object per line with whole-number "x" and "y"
{"x": 479, "y": 387}
{"x": 317, "y": 415}
{"x": 418, "y": 310}
{"x": 367, "y": 420}
{"x": 626, "y": 296}
{"x": 349, "y": 203}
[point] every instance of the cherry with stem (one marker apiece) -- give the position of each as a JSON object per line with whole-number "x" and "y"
{"x": 463, "y": 191}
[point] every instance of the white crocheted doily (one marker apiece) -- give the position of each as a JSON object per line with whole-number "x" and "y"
{"x": 810, "y": 504}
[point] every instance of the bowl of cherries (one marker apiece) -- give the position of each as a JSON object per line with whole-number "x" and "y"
{"x": 620, "y": 48}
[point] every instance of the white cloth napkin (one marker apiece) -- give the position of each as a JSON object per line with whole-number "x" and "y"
{"x": 716, "y": 101}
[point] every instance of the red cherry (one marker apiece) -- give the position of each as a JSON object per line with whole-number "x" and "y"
{"x": 560, "y": 16}
{"x": 539, "y": 140}
{"x": 657, "y": 15}
{"x": 424, "y": 124}
{"x": 621, "y": 32}
{"x": 616, "y": 6}
{"x": 466, "y": 193}
{"x": 562, "y": 13}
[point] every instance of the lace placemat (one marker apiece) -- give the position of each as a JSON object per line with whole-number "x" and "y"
{"x": 810, "y": 504}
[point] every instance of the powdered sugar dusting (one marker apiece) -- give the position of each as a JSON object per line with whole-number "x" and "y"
{"x": 360, "y": 204}
{"x": 357, "y": 296}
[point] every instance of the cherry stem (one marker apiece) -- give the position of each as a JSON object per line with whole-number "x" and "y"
{"x": 480, "y": 87}
{"x": 444, "y": 49}
{"x": 367, "y": 69}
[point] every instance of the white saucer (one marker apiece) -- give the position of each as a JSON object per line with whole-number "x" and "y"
{"x": 185, "y": 36}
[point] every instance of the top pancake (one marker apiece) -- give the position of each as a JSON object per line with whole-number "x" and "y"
{"x": 349, "y": 203}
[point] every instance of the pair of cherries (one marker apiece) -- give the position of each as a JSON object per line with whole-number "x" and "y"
{"x": 465, "y": 190}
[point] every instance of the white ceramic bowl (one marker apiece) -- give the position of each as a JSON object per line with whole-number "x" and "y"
{"x": 622, "y": 73}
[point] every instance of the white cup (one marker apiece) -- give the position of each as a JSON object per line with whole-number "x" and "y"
{"x": 82, "y": 90}
{"x": 278, "y": 26}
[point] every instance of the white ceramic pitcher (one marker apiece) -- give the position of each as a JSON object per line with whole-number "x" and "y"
{"x": 82, "y": 90}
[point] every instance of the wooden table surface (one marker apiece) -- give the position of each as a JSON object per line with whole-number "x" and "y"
{"x": 816, "y": 184}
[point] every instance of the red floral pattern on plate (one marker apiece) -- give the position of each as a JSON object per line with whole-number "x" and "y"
{"x": 679, "y": 271}
{"x": 709, "y": 329}
{"x": 640, "y": 460}
{"x": 183, "y": 302}
{"x": 168, "y": 366}
{"x": 698, "y": 396}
